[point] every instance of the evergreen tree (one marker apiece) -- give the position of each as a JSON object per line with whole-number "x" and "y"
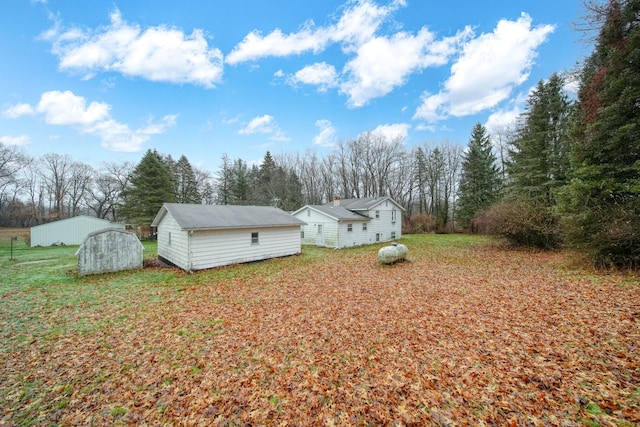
{"x": 186, "y": 183}
{"x": 538, "y": 168}
{"x": 224, "y": 181}
{"x": 480, "y": 181}
{"x": 602, "y": 201}
{"x": 172, "y": 167}
{"x": 149, "y": 187}
{"x": 540, "y": 151}
{"x": 240, "y": 187}
{"x": 267, "y": 182}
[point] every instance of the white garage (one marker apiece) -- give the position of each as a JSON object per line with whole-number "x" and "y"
{"x": 196, "y": 237}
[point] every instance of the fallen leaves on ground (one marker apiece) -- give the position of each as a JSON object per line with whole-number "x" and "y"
{"x": 477, "y": 335}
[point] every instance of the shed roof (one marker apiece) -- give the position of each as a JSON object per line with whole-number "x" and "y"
{"x": 209, "y": 217}
{"x": 79, "y": 218}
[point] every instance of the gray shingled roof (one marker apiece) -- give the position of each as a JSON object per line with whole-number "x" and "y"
{"x": 340, "y": 213}
{"x": 362, "y": 204}
{"x": 209, "y": 217}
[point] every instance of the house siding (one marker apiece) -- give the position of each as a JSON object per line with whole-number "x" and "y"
{"x": 384, "y": 225}
{"x": 336, "y": 234}
{"x": 176, "y": 251}
{"x": 356, "y": 237}
{"x": 69, "y": 231}
{"x": 215, "y": 248}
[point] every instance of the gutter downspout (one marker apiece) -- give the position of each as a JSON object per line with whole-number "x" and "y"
{"x": 189, "y": 262}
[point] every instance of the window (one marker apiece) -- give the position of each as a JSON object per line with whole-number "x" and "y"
{"x": 349, "y": 228}
{"x": 169, "y": 238}
{"x": 377, "y": 214}
{"x": 254, "y": 238}
{"x": 393, "y": 234}
{"x": 302, "y": 234}
{"x": 393, "y": 215}
{"x": 377, "y": 237}
{"x": 308, "y": 212}
{"x": 364, "y": 226}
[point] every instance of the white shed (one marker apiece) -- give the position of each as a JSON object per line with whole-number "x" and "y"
{"x": 70, "y": 231}
{"x": 196, "y": 237}
{"x": 108, "y": 251}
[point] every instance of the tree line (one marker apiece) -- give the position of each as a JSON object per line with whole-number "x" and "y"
{"x": 567, "y": 172}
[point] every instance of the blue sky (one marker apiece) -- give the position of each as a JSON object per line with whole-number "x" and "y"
{"x": 106, "y": 80}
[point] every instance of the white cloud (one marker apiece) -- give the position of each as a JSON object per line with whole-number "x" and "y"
{"x": 379, "y": 64}
{"x": 326, "y": 136}
{"x": 488, "y": 69}
{"x": 320, "y": 74}
{"x": 384, "y": 63}
{"x": 155, "y": 53}
{"x": 358, "y": 23}
{"x": 15, "y": 140}
{"x": 392, "y": 132}
{"x": 18, "y": 110}
{"x": 265, "y": 124}
{"x": 501, "y": 120}
{"x": 67, "y": 109}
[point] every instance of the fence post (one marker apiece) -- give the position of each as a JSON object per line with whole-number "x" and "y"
{"x": 13, "y": 239}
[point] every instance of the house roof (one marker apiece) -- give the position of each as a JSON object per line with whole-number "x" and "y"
{"x": 209, "y": 217}
{"x": 363, "y": 204}
{"x": 337, "y": 212}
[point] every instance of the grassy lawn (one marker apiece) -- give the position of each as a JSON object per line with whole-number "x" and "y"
{"x": 467, "y": 332}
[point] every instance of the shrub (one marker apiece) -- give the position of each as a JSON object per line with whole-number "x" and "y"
{"x": 419, "y": 223}
{"x": 523, "y": 223}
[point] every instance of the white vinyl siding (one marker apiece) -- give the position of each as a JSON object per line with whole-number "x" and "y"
{"x": 386, "y": 220}
{"x": 335, "y": 234}
{"x": 173, "y": 242}
{"x": 215, "y": 248}
{"x": 310, "y": 230}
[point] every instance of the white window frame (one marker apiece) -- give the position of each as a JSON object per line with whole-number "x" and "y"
{"x": 364, "y": 226}
{"x": 349, "y": 228}
{"x": 255, "y": 238}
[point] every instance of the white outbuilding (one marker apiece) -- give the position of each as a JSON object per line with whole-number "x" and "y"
{"x": 196, "y": 237}
{"x": 109, "y": 251}
{"x": 69, "y": 231}
{"x": 351, "y": 222}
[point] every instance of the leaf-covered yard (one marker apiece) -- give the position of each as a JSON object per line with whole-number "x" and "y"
{"x": 467, "y": 332}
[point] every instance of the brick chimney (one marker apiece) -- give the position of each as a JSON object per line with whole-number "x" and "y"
{"x": 336, "y": 201}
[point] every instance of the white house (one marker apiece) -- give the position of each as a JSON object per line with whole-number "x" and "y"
{"x": 196, "y": 237}
{"x": 70, "y": 231}
{"x": 351, "y": 222}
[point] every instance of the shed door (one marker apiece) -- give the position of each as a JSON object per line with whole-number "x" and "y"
{"x": 320, "y": 236}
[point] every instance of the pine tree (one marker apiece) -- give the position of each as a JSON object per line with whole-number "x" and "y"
{"x": 602, "y": 201}
{"x": 224, "y": 181}
{"x": 540, "y": 151}
{"x": 240, "y": 187}
{"x": 186, "y": 184}
{"x": 480, "y": 181}
{"x": 538, "y": 169}
{"x": 150, "y": 186}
